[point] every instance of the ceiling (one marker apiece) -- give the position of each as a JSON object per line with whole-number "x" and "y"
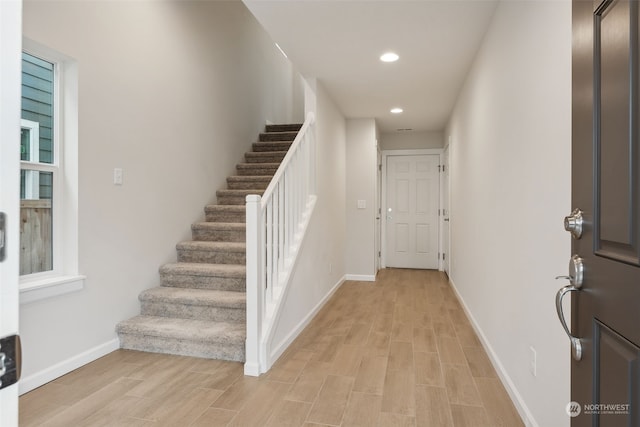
{"x": 340, "y": 42}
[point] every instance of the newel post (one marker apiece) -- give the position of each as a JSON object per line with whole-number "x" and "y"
{"x": 255, "y": 292}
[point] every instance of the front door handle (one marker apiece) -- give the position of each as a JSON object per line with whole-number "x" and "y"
{"x": 3, "y": 236}
{"x": 576, "y": 345}
{"x": 10, "y": 360}
{"x": 575, "y": 278}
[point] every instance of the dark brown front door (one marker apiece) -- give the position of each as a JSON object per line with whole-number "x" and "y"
{"x": 606, "y": 187}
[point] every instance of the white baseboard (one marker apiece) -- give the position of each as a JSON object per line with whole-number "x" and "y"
{"x": 508, "y": 384}
{"x": 56, "y": 371}
{"x": 277, "y": 351}
{"x": 361, "y": 277}
{"x": 251, "y": 369}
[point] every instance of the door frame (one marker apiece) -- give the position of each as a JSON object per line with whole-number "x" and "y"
{"x": 378, "y": 224}
{"x": 10, "y": 81}
{"x": 445, "y": 205}
{"x": 383, "y": 232}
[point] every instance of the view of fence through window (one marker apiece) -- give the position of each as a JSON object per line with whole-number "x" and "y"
{"x": 38, "y": 167}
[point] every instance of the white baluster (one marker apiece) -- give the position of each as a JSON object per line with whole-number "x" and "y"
{"x": 276, "y": 232}
{"x": 269, "y": 243}
{"x": 281, "y": 227}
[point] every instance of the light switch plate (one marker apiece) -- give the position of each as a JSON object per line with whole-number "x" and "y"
{"x": 117, "y": 176}
{"x": 362, "y": 204}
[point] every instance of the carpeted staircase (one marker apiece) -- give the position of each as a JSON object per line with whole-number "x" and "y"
{"x": 199, "y": 307}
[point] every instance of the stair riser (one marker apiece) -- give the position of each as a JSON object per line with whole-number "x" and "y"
{"x": 195, "y": 312}
{"x": 279, "y": 136}
{"x": 264, "y": 159}
{"x": 256, "y": 171}
{"x": 247, "y": 185}
{"x": 218, "y": 216}
{"x": 207, "y": 350}
{"x": 232, "y": 200}
{"x": 283, "y": 128}
{"x": 211, "y": 257}
{"x": 265, "y": 147}
{"x": 204, "y": 282}
{"x": 207, "y": 235}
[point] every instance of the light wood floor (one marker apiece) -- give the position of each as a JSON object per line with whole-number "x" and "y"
{"x": 397, "y": 352}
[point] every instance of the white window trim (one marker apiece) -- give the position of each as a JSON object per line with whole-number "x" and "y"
{"x": 32, "y": 180}
{"x": 65, "y": 276}
{"x": 34, "y": 140}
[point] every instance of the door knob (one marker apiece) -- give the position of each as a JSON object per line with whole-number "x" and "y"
{"x": 573, "y": 223}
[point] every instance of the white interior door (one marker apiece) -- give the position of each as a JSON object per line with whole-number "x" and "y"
{"x": 10, "y": 69}
{"x": 412, "y": 211}
{"x": 445, "y": 211}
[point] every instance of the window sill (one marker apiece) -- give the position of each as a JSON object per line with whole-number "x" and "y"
{"x": 39, "y": 289}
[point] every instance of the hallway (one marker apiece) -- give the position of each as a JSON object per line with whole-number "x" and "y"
{"x": 397, "y": 352}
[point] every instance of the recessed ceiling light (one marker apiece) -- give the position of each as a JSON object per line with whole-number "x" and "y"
{"x": 397, "y": 110}
{"x": 389, "y": 57}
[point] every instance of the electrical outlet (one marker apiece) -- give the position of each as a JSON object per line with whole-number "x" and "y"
{"x": 533, "y": 361}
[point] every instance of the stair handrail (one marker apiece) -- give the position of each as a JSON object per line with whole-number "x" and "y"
{"x": 275, "y": 226}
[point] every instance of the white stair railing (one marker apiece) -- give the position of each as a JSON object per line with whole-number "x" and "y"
{"x": 276, "y": 223}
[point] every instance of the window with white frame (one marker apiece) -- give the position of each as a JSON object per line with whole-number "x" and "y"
{"x": 39, "y": 165}
{"x": 48, "y": 159}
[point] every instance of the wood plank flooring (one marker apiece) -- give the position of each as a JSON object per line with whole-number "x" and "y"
{"x": 397, "y": 352}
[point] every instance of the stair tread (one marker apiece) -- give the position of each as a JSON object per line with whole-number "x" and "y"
{"x": 295, "y": 132}
{"x": 212, "y": 246}
{"x": 239, "y": 191}
{"x": 258, "y": 165}
{"x": 188, "y": 296}
{"x": 232, "y": 208}
{"x": 285, "y": 134}
{"x": 203, "y": 269}
{"x": 236, "y": 226}
{"x": 276, "y": 127}
{"x": 252, "y": 178}
{"x": 185, "y": 329}
{"x": 265, "y": 153}
{"x": 282, "y": 145}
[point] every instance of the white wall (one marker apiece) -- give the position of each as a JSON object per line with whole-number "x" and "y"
{"x": 411, "y": 140}
{"x": 510, "y": 189}
{"x": 320, "y": 268}
{"x": 361, "y": 183}
{"x": 173, "y": 92}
